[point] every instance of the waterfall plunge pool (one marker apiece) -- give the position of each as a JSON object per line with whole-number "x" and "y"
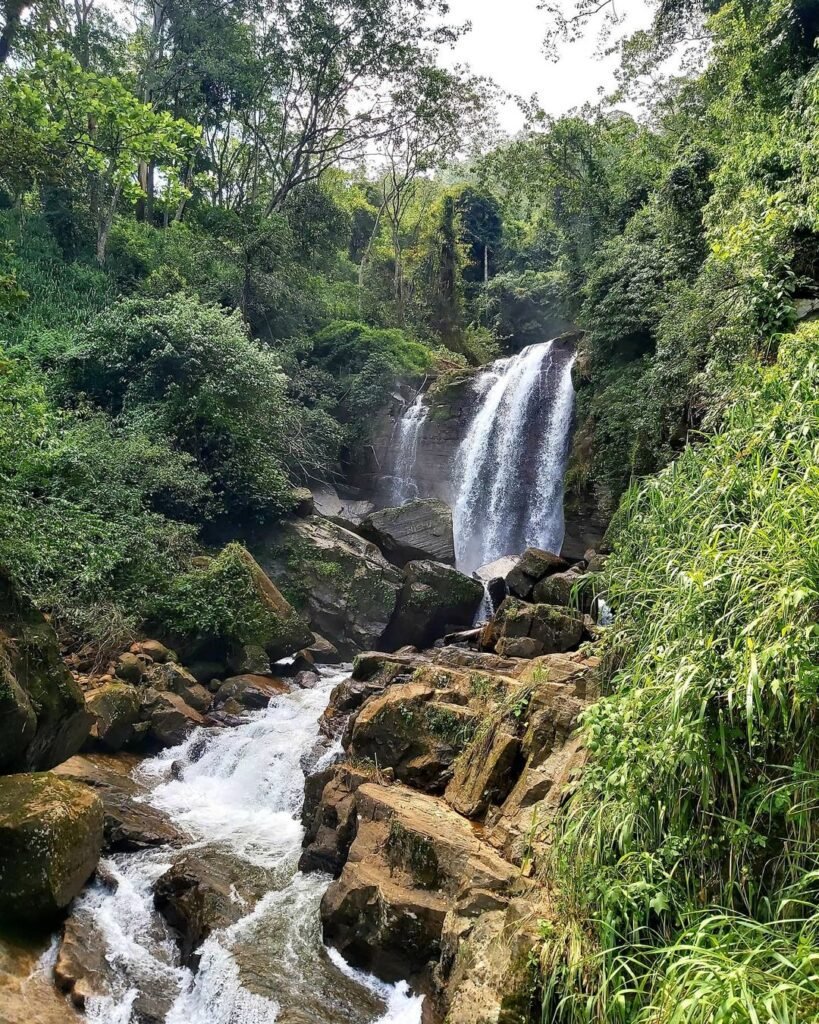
{"x": 240, "y": 802}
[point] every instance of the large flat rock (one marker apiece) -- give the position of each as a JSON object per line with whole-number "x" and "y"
{"x": 421, "y": 529}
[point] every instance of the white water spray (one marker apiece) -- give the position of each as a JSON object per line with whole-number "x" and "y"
{"x": 240, "y": 799}
{"x": 510, "y": 465}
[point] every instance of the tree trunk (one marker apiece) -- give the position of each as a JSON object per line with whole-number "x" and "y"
{"x": 13, "y": 10}
{"x": 104, "y": 221}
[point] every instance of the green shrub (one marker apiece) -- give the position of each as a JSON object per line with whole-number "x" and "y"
{"x": 699, "y": 798}
{"x": 218, "y": 598}
{"x": 190, "y": 373}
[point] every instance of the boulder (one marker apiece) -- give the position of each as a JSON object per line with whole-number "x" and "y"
{"x": 410, "y": 857}
{"x": 27, "y": 991}
{"x": 487, "y": 951}
{"x": 322, "y": 651}
{"x": 289, "y": 631}
{"x": 435, "y": 599}
{"x": 421, "y": 529}
{"x": 329, "y": 817}
{"x": 204, "y": 891}
{"x": 43, "y": 717}
{"x": 172, "y": 677}
{"x": 559, "y": 588}
{"x": 130, "y": 668}
{"x": 522, "y": 630}
{"x": 250, "y": 691}
{"x": 116, "y": 710}
{"x": 51, "y": 833}
{"x": 130, "y": 822}
{"x": 154, "y": 650}
{"x": 346, "y": 512}
{"x": 170, "y": 720}
{"x": 248, "y": 658}
{"x": 409, "y": 729}
{"x": 345, "y": 585}
{"x": 485, "y": 773}
{"x": 533, "y": 566}
{"x": 499, "y": 569}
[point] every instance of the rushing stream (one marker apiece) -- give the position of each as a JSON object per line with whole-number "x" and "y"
{"x": 240, "y": 801}
{"x": 510, "y": 465}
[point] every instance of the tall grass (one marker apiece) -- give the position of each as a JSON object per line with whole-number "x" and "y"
{"x": 696, "y": 817}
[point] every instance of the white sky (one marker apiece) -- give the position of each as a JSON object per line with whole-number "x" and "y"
{"x": 506, "y": 43}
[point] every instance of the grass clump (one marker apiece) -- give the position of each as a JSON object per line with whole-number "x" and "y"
{"x": 689, "y": 855}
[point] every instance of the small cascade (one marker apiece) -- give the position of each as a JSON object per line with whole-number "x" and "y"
{"x": 510, "y": 465}
{"x": 238, "y": 794}
{"x": 409, "y": 431}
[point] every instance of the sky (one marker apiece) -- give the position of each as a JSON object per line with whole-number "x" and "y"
{"x": 506, "y": 43}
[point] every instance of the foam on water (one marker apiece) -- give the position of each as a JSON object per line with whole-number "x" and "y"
{"x": 242, "y": 795}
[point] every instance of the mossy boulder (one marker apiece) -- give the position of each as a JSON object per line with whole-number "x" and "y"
{"x": 230, "y": 600}
{"x": 43, "y": 718}
{"x": 533, "y": 565}
{"x": 341, "y": 582}
{"x": 522, "y": 630}
{"x": 51, "y": 834}
{"x": 559, "y": 589}
{"x": 435, "y": 600}
{"x": 116, "y": 710}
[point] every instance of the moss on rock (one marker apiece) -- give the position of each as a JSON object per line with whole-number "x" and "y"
{"x": 51, "y": 834}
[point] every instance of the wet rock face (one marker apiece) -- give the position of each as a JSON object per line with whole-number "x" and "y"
{"x": 203, "y": 892}
{"x": 43, "y": 718}
{"x": 347, "y": 588}
{"x": 251, "y": 691}
{"x": 130, "y": 823}
{"x": 452, "y": 405}
{"x": 51, "y": 833}
{"x": 330, "y": 817}
{"x": 420, "y": 529}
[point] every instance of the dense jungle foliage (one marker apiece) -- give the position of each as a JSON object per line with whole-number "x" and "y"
{"x": 208, "y": 286}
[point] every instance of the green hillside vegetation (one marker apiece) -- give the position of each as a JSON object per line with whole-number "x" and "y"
{"x": 204, "y": 305}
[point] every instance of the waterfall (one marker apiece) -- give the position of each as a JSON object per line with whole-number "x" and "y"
{"x": 509, "y": 467}
{"x": 410, "y": 428}
{"x": 238, "y": 799}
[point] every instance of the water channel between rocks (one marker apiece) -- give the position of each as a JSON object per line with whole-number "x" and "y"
{"x": 238, "y": 794}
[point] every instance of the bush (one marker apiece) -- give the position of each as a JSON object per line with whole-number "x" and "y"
{"x": 218, "y": 599}
{"x": 189, "y": 372}
{"x": 81, "y": 501}
{"x": 694, "y": 824}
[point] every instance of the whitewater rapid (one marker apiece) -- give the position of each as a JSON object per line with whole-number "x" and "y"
{"x": 242, "y": 799}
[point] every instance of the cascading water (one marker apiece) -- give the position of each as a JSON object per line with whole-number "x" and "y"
{"x": 510, "y": 465}
{"x": 240, "y": 800}
{"x": 409, "y": 431}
